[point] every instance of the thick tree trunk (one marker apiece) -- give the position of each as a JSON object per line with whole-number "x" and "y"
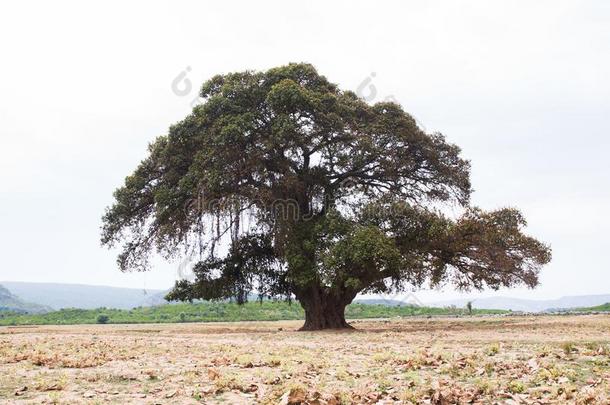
{"x": 324, "y": 311}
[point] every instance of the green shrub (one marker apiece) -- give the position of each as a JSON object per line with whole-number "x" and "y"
{"x": 102, "y": 318}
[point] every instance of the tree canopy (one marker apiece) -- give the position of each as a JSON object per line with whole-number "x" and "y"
{"x": 284, "y": 185}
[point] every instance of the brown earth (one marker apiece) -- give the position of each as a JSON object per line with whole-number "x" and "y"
{"x": 519, "y": 360}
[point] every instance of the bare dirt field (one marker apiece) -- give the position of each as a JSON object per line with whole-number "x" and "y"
{"x": 551, "y": 359}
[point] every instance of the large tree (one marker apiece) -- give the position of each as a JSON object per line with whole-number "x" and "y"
{"x": 283, "y": 185}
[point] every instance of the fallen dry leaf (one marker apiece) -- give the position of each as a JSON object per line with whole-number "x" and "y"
{"x": 295, "y": 396}
{"x": 213, "y": 373}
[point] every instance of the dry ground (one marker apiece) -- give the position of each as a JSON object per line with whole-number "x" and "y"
{"x": 554, "y": 359}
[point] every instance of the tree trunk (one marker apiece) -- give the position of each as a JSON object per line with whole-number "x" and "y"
{"x": 324, "y": 311}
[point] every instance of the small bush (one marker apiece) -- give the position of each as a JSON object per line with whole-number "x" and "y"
{"x": 493, "y": 349}
{"x": 516, "y": 387}
{"x": 102, "y": 319}
{"x": 568, "y": 347}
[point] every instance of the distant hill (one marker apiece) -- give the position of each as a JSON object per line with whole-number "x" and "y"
{"x": 380, "y": 301}
{"x": 12, "y": 303}
{"x": 598, "y": 308}
{"x": 157, "y": 298}
{"x": 404, "y": 300}
{"x": 59, "y": 296}
{"x": 517, "y": 304}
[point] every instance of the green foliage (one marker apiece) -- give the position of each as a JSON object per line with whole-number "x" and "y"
{"x": 214, "y": 312}
{"x": 102, "y": 319}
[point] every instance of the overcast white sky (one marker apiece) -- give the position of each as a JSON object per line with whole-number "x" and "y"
{"x": 523, "y": 87}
